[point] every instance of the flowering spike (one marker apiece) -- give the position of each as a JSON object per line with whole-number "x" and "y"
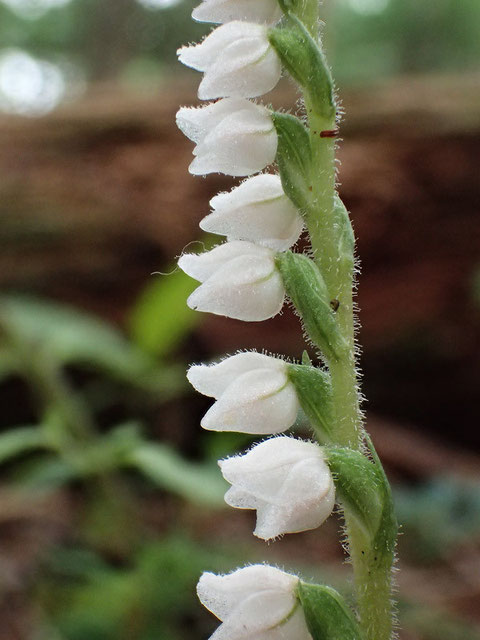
{"x": 286, "y": 480}
{"x": 253, "y": 394}
{"x": 237, "y": 59}
{"x": 259, "y": 211}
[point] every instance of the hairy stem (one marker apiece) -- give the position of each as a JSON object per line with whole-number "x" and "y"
{"x": 372, "y": 579}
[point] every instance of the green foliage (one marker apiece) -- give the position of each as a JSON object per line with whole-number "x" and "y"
{"x": 160, "y": 319}
{"x": 437, "y": 518}
{"x": 147, "y": 600}
{"x": 68, "y": 336}
{"x": 19, "y": 441}
{"x": 199, "y": 484}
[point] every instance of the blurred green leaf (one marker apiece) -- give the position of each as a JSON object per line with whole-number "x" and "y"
{"x": 68, "y": 336}
{"x": 161, "y": 319}
{"x": 151, "y": 599}
{"x": 20, "y": 440}
{"x": 49, "y": 473}
{"x": 197, "y": 483}
{"x": 437, "y": 516}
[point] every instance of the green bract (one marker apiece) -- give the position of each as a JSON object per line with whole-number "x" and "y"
{"x": 304, "y": 60}
{"x": 364, "y": 492}
{"x": 294, "y": 158}
{"x": 307, "y": 289}
{"x": 327, "y": 614}
{"x": 346, "y": 238}
{"x": 314, "y": 391}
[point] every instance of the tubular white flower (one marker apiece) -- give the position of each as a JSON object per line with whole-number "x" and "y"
{"x": 238, "y": 61}
{"x": 220, "y": 11}
{"x": 258, "y": 210}
{"x": 239, "y": 280}
{"x": 286, "y": 480}
{"x": 252, "y": 392}
{"x": 255, "y": 603}
{"x": 233, "y": 136}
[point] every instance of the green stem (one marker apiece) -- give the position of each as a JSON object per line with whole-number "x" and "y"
{"x": 372, "y": 581}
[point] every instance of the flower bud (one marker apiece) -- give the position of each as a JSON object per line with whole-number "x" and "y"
{"x": 258, "y": 602}
{"x": 286, "y": 480}
{"x": 239, "y": 280}
{"x": 233, "y": 136}
{"x": 252, "y": 392}
{"x": 259, "y": 211}
{"x": 220, "y": 11}
{"x": 238, "y": 61}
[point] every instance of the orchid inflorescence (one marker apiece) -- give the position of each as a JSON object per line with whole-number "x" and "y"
{"x": 291, "y": 483}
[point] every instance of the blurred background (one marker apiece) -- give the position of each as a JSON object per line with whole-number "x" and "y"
{"x": 111, "y": 504}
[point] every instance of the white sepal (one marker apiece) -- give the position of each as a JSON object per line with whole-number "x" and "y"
{"x": 255, "y": 603}
{"x": 221, "y": 11}
{"x": 252, "y": 392}
{"x": 259, "y": 211}
{"x": 233, "y": 136}
{"x": 239, "y": 280}
{"x": 286, "y": 480}
{"x": 237, "y": 59}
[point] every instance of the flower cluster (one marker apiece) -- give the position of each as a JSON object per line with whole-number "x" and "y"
{"x": 286, "y": 480}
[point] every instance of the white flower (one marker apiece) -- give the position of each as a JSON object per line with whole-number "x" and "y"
{"x": 258, "y": 210}
{"x": 286, "y": 480}
{"x": 254, "y": 603}
{"x": 252, "y": 392}
{"x": 233, "y": 136}
{"x": 239, "y": 280}
{"x": 220, "y": 11}
{"x": 237, "y": 59}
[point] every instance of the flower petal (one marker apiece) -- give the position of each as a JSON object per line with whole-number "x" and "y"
{"x": 196, "y": 122}
{"x": 247, "y": 288}
{"x": 260, "y": 401}
{"x": 213, "y": 380}
{"x": 220, "y": 11}
{"x": 202, "y": 266}
{"x": 204, "y": 55}
{"x": 242, "y": 143}
{"x": 258, "y": 210}
{"x": 221, "y": 594}
{"x": 248, "y": 67}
